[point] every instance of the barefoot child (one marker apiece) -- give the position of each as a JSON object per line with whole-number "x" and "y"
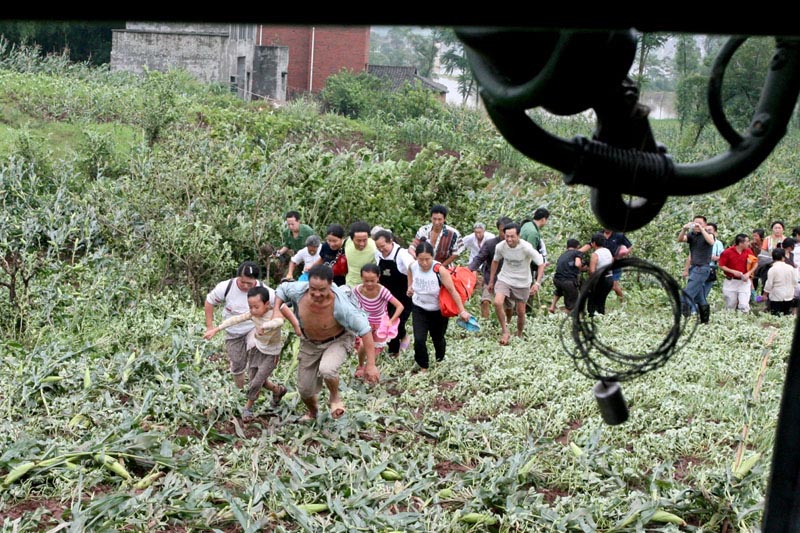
{"x": 263, "y": 343}
{"x": 373, "y": 297}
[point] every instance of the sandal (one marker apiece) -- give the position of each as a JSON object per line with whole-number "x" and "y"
{"x": 278, "y": 396}
{"x": 247, "y": 415}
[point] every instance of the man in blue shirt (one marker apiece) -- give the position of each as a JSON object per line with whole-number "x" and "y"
{"x": 328, "y": 323}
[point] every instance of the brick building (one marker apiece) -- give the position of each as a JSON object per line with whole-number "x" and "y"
{"x": 317, "y": 52}
{"x": 256, "y": 60}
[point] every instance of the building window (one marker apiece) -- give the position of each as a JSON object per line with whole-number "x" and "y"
{"x": 243, "y": 32}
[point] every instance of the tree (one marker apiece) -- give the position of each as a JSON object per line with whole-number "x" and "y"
{"x": 744, "y": 79}
{"x": 454, "y": 61}
{"x": 711, "y": 46}
{"x": 690, "y": 104}
{"x": 648, "y": 42}
{"x": 404, "y": 46}
{"x": 741, "y": 87}
{"x": 393, "y": 48}
{"x": 85, "y": 41}
{"x": 425, "y": 51}
{"x": 687, "y": 56}
{"x": 354, "y": 95}
{"x": 690, "y": 98}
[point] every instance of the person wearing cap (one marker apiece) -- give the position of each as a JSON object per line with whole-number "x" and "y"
{"x": 233, "y": 294}
{"x": 475, "y": 240}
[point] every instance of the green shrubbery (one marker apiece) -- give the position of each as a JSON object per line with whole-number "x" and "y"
{"x": 45, "y": 226}
{"x": 361, "y": 96}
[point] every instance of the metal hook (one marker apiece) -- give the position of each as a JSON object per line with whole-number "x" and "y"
{"x": 614, "y": 211}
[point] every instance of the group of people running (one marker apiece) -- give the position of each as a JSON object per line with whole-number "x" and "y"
{"x": 357, "y": 291}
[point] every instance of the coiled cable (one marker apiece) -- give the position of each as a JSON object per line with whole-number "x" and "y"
{"x": 596, "y": 359}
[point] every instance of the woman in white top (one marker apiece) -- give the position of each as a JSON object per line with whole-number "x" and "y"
{"x": 423, "y": 287}
{"x": 601, "y": 257}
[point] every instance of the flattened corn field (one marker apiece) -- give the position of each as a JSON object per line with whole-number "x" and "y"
{"x": 511, "y": 436}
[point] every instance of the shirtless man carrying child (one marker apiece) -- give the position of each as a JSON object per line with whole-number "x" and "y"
{"x": 328, "y": 323}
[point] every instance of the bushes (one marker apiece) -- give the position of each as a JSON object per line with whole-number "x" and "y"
{"x": 352, "y": 95}
{"x": 97, "y": 154}
{"x": 363, "y": 95}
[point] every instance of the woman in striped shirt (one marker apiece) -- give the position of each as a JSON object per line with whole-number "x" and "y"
{"x": 373, "y": 298}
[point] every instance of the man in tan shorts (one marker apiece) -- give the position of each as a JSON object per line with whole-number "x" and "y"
{"x": 514, "y": 280}
{"x": 328, "y": 323}
{"x": 482, "y": 262}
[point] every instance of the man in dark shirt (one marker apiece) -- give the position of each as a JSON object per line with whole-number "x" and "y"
{"x": 701, "y": 243}
{"x": 614, "y": 242}
{"x": 483, "y": 262}
{"x": 567, "y": 278}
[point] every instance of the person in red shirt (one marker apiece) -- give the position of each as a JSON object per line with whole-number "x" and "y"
{"x": 733, "y": 262}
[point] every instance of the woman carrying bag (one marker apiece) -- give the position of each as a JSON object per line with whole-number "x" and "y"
{"x": 424, "y": 285}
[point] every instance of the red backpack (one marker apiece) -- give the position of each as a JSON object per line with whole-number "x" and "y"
{"x": 464, "y": 281}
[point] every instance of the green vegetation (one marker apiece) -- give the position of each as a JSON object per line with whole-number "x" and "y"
{"x": 123, "y": 200}
{"x": 361, "y": 96}
{"x": 77, "y": 41}
{"x": 740, "y": 91}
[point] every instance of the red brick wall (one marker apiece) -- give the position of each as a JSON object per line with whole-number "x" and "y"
{"x": 335, "y": 48}
{"x": 338, "y": 48}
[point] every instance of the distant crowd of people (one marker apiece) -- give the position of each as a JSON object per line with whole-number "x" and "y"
{"x": 770, "y": 261}
{"x": 357, "y": 290}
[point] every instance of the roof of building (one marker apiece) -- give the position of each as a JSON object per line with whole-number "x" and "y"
{"x": 397, "y": 76}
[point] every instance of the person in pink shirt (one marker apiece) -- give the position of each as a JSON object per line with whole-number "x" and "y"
{"x": 373, "y": 298}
